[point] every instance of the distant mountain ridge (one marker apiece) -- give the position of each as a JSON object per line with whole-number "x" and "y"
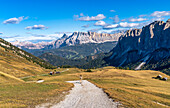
{"x": 76, "y": 38}
{"x": 141, "y": 49}
{"x": 30, "y": 45}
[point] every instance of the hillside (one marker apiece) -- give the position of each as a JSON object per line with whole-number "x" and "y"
{"x": 146, "y": 48}
{"x": 9, "y": 79}
{"x": 8, "y": 48}
{"x": 131, "y": 88}
{"x": 77, "y": 51}
{"x": 59, "y": 61}
{"x": 16, "y": 66}
{"x": 134, "y": 89}
{"x": 18, "y": 63}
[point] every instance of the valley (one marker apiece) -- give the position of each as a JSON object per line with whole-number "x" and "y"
{"x": 130, "y": 88}
{"x": 84, "y": 54}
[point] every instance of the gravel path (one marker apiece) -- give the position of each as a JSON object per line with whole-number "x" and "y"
{"x": 86, "y": 95}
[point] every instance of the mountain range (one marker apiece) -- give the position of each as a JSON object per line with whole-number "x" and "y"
{"x": 77, "y": 38}
{"x": 146, "y": 48}
{"x": 141, "y": 49}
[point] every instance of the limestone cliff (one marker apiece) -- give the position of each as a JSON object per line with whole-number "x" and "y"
{"x": 149, "y": 44}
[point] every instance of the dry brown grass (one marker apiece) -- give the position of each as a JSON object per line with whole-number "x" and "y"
{"x": 17, "y": 66}
{"x": 132, "y": 88}
{"x": 31, "y": 94}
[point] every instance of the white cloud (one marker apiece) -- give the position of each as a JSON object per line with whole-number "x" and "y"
{"x": 81, "y": 14}
{"x": 85, "y": 26}
{"x": 100, "y": 23}
{"x": 14, "y": 20}
{"x": 76, "y": 16}
{"x": 122, "y": 25}
{"x": 112, "y": 11}
{"x": 126, "y": 24}
{"x": 157, "y": 19}
{"x": 95, "y": 30}
{"x": 137, "y": 19}
{"x": 35, "y": 37}
{"x": 92, "y": 18}
{"x": 35, "y": 27}
{"x": 123, "y": 20}
{"x": 111, "y": 26}
{"x": 1, "y": 33}
{"x": 160, "y": 13}
{"x": 115, "y": 19}
{"x": 142, "y": 15}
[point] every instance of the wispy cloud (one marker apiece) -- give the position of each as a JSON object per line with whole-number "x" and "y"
{"x": 142, "y": 15}
{"x": 95, "y": 30}
{"x": 63, "y": 33}
{"x": 112, "y": 11}
{"x": 160, "y": 13}
{"x": 121, "y": 25}
{"x": 137, "y": 19}
{"x": 85, "y": 26}
{"x": 76, "y": 16}
{"x": 100, "y": 23}
{"x": 92, "y": 18}
{"x": 1, "y": 33}
{"x": 81, "y": 14}
{"x": 126, "y": 24}
{"x": 111, "y": 26}
{"x": 34, "y": 37}
{"x": 36, "y": 27}
{"x": 115, "y": 18}
{"x": 14, "y": 20}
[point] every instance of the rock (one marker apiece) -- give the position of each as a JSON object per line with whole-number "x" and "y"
{"x": 165, "y": 79}
{"x": 83, "y": 37}
{"x": 151, "y": 41}
{"x": 159, "y": 76}
{"x": 74, "y": 39}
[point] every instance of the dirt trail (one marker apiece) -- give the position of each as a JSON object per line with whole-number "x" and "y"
{"x": 86, "y": 95}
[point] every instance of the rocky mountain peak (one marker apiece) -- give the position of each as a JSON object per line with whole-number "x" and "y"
{"x": 151, "y": 42}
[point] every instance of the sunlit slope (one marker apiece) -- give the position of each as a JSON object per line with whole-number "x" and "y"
{"x": 17, "y": 66}
{"x": 133, "y": 88}
{"x": 6, "y": 78}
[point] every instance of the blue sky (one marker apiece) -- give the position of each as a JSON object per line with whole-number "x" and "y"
{"x": 40, "y": 20}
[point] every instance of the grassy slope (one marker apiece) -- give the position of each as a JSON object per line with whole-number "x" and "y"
{"x": 6, "y": 48}
{"x": 132, "y": 88}
{"x": 30, "y": 94}
{"x": 14, "y": 92}
{"x": 17, "y": 66}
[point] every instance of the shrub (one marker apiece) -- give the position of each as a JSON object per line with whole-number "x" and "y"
{"x": 89, "y": 70}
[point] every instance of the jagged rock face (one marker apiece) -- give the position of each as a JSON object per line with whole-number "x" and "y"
{"x": 151, "y": 43}
{"x": 82, "y": 37}
{"x": 74, "y": 39}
